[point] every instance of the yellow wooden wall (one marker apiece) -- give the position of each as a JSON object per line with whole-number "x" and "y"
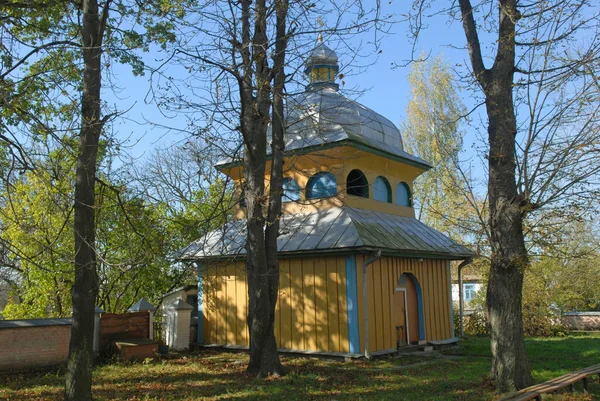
{"x": 311, "y": 310}
{"x": 382, "y": 277}
{"x": 310, "y": 313}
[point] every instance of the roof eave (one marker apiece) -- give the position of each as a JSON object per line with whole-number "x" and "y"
{"x": 351, "y": 142}
{"x": 340, "y": 251}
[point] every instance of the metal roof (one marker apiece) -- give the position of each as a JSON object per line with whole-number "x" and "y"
{"x": 180, "y": 304}
{"x": 340, "y": 229}
{"x": 141, "y": 306}
{"x": 320, "y": 55}
{"x": 321, "y": 116}
{"x": 15, "y": 324}
{"x": 324, "y": 115}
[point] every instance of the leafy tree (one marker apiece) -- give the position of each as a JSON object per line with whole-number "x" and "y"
{"x": 38, "y": 224}
{"x": 567, "y": 270}
{"x": 55, "y": 61}
{"x": 432, "y": 132}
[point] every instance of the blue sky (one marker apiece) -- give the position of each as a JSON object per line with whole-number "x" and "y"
{"x": 382, "y": 86}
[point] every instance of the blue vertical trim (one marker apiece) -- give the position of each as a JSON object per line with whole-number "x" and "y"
{"x": 200, "y": 333}
{"x": 420, "y": 308}
{"x": 352, "y": 305}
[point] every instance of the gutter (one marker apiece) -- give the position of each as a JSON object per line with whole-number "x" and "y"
{"x": 367, "y": 262}
{"x": 461, "y": 301}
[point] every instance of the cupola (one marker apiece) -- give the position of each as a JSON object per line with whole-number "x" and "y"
{"x": 321, "y": 66}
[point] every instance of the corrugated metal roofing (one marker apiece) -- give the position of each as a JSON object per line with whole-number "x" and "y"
{"x": 335, "y": 229}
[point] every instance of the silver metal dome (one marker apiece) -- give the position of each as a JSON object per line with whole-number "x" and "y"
{"x": 324, "y": 116}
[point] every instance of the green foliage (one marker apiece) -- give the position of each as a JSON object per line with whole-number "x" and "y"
{"x": 476, "y": 324}
{"x": 36, "y": 219}
{"x": 432, "y": 132}
{"x": 38, "y": 225}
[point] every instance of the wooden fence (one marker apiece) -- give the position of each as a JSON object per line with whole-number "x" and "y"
{"x": 122, "y": 326}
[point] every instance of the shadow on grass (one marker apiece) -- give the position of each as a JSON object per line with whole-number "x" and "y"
{"x": 220, "y": 376}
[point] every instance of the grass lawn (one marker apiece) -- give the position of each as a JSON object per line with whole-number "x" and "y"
{"x": 458, "y": 374}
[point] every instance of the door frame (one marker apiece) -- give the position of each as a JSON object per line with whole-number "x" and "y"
{"x": 400, "y": 289}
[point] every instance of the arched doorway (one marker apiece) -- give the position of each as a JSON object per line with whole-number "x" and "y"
{"x": 408, "y": 310}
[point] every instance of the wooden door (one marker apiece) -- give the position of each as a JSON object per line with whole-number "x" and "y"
{"x": 399, "y": 317}
{"x": 413, "y": 311}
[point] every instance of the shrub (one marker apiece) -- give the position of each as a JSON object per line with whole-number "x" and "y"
{"x": 476, "y": 324}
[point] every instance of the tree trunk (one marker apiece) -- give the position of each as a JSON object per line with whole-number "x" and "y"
{"x": 261, "y": 263}
{"x": 510, "y": 367}
{"x": 78, "y": 385}
{"x": 264, "y": 358}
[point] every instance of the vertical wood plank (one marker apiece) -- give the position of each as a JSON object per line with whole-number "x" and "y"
{"x": 321, "y": 304}
{"x": 230, "y": 304}
{"x": 446, "y": 304}
{"x": 387, "y": 288}
{"x": 209, "y": 305}
{"x": 310, "y": 332}
{"x": 342, "y": 306}
{"x": 240, "y": 296}
{"x": 377, "y": 305}
{"x": 219, "y": 307}
{"x": 285, "y": 339}
{"x": 371, "y": 305}
{"x": 297, "y": 304}
{"x": 333, "y": 316}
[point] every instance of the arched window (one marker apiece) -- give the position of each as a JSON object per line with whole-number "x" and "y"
{"x": 403, "y": 194}
{"x": 321, "y": 185}
{"x": 382, "y": 190}
{"x": 357, "y": 184}
{"x": 291, "y": 190}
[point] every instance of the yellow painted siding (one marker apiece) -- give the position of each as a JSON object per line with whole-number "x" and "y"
{"x": 285, "y": 305}
{"x": 340, "y": 161}
{"x": 310, "y": 312}
{"x": 382, "y": 277}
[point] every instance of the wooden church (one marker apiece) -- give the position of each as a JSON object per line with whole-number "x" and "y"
{"x": 358, "y": 273}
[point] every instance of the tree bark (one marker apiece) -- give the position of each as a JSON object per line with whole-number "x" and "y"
{"x": 510, "y": 367}
{"x": 261, "y": 263}
{"x": 78, "y": 386}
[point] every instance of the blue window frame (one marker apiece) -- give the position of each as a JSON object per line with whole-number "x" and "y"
{"x": 403, "y": 194}
{"x": 291, "y": 190}
{"x": 382, "y": 190}
{"x": 321, "y": 185}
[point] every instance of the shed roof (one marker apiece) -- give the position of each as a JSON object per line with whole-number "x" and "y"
{"x": 142, "y": 305}
{"x": 15, "y": 324}
{"x": 340, "y": 229}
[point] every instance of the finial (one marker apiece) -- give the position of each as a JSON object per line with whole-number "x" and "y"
{"x": 320, "y": 38}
